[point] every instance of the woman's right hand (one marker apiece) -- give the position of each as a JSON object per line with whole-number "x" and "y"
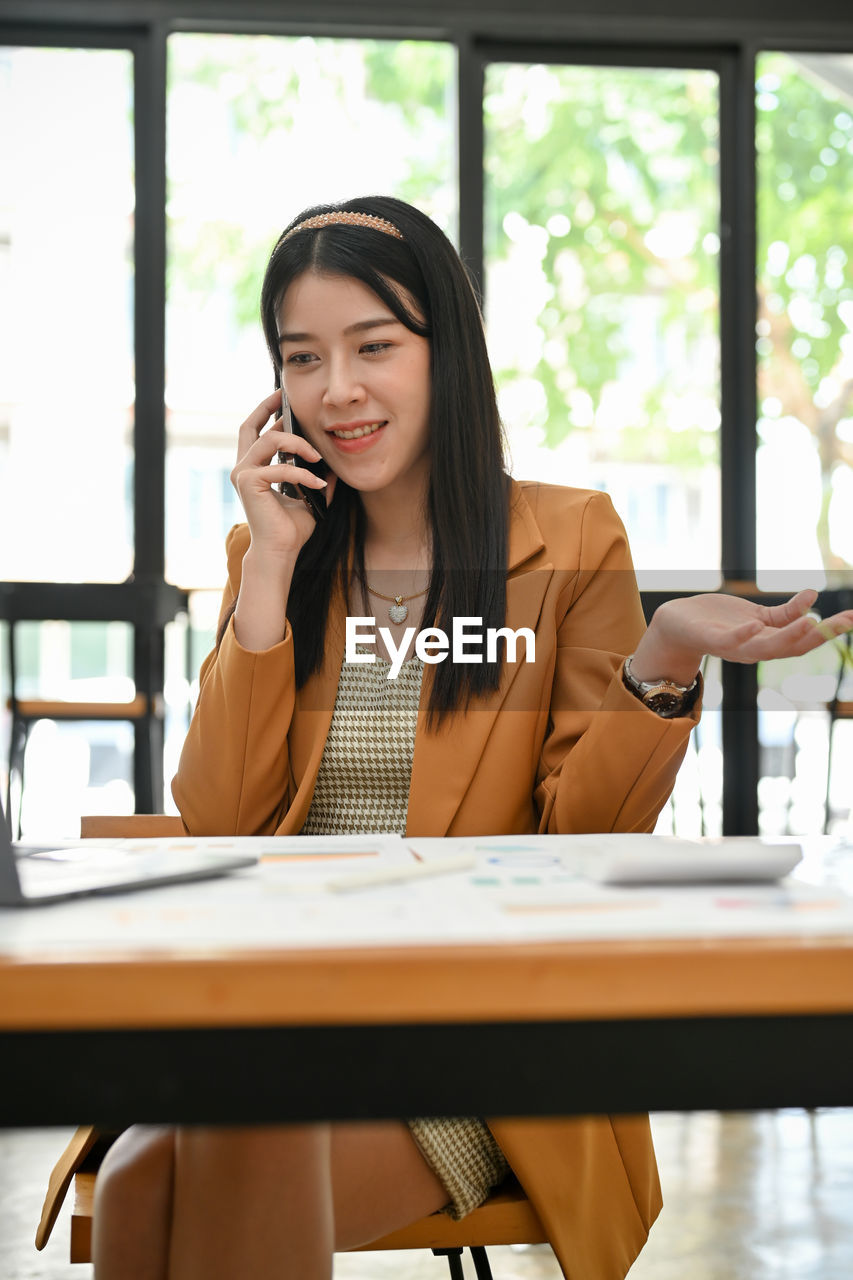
{"x": 280, "y": 526}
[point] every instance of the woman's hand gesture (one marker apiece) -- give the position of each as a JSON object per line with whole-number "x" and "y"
{"x": 683, "y": 631}
{"x": 280, "y": 526}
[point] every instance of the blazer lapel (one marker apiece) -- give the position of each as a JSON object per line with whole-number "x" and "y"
{"x": 452, "y": 752}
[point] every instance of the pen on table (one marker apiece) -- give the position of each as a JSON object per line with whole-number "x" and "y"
{"x": 373, "y": 879}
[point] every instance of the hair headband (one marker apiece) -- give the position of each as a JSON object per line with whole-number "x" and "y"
{"x": 346, "y": 218}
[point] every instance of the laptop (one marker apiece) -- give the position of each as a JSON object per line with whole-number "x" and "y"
{"x": 32, "y": 875}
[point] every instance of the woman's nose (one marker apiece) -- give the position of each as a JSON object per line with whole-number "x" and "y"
{"x": 343, "y": 385}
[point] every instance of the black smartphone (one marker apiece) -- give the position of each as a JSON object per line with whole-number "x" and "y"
{"x": 314, "y": 499}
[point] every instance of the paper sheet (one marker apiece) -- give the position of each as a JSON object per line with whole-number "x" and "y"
{"x": 521, "y": 889}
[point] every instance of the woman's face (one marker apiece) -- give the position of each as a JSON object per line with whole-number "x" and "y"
{"x": 358, "y": 382}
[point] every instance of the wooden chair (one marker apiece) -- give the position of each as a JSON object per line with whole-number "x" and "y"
{"x": 140, "y": 711}
{"x": 128, "y": 826}
{"x": 507, "y": 1217}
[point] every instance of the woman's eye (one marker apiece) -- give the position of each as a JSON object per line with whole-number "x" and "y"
{"x": 300, "y": 357}
{"x": 375, "y": 348}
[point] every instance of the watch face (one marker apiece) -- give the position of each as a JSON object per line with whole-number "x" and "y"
{"x": 664, "y": 703}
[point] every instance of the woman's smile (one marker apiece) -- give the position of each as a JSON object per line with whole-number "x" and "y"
{"x": 354, "y": 437}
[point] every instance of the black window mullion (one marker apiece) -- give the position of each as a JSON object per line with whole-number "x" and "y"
{"x": 149, "y": 432}
{"x": 738, "y": 423}
{"x": 149, "y": 424}
{"x": 737, "y": 316}
{"x": 583, "y": 53}
{"x": 471, "y": 156}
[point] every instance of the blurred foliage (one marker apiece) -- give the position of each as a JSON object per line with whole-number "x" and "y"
{"x": 413, "y": 80}
{"x": 804, "y": 138}
{"x": 604, "y": 161}
{"x": 600, "y": 163}
{"x": 410, "y": 76}
{"x": 258, "y": 85}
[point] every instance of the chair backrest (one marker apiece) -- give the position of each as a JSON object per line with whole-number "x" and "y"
{"x": 106, "y": 826}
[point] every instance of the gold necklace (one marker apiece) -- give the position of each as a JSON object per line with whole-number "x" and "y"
{"x": 399, "y": 610}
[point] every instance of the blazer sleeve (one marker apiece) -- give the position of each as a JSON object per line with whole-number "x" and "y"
{"x": 233, "y": 775}
{"x": 607, "y": 762}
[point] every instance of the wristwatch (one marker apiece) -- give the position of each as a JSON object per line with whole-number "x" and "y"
{"x": 664, "y": 697}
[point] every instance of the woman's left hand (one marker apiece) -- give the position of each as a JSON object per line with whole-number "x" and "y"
{"x": 682, "y": 631}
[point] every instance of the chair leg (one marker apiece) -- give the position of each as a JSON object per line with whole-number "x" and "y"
{"x": 8, "y": 797}
{"x": 454, "y": 1262}
{"x": 481, "y": 1262}
{"x": 146, "y": 742}
{"x": 17, "y": 756}
{"x": 827, "y": 807}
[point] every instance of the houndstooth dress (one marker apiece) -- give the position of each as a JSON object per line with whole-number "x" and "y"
{"x": 363, "y": 786}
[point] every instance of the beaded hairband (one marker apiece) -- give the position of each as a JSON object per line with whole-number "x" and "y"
{"x": 347, "y": 218}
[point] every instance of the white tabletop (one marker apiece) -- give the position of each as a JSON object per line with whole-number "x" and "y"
{"x": 517, "y": 890}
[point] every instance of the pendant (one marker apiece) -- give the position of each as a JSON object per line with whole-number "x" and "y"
{"x": 398, "y": 612}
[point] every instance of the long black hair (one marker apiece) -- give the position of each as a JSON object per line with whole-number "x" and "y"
{"x": 467, "y": 500}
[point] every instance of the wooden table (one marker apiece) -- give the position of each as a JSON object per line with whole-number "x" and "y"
{"x": 196, "y": 1032}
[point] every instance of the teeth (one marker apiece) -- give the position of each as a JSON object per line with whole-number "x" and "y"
{"x": 358, "y": 432}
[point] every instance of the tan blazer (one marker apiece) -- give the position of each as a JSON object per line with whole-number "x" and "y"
{"x": 561, "y": 747}
{"x": 571, "y": 751}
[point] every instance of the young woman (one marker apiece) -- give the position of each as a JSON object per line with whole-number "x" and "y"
{"x": 375, "y": 334}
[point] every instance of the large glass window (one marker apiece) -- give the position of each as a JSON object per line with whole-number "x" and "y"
{"x": 602, "y": 244}
{"x": 805, "y": 317}
{"x": 601, "y": 277}
{"x": 259, "y": 128}
{"x": 66, "y": 313}
{"x": 805, "y": 428}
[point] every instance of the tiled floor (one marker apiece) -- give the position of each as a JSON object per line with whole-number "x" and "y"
{"x": 748, "y": 1197}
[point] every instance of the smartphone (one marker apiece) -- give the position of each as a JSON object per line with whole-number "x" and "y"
{"x": 314, "y": 499}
